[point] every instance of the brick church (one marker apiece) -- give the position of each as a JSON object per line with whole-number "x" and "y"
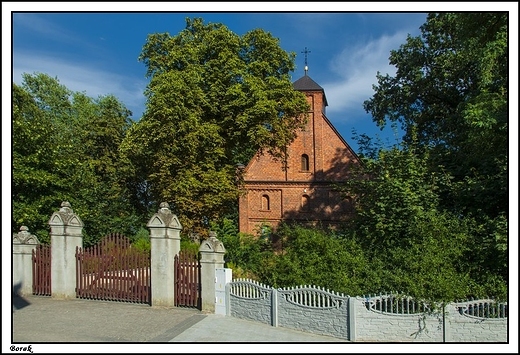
{"x": 303, "y": 192}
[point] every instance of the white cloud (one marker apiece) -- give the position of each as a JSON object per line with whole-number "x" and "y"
{"x": 39, "y": 26}
{"x": 355, "y": 70}
{"x": 83, "y": 78}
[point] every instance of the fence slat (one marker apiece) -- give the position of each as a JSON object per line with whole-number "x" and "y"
{"x": 187, "y": 279}
{"x": 113, "y": 270}
{"x": 41, "y": 270}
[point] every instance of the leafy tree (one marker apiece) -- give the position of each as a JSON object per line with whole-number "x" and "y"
{"x": 101, "y": 128}
{"x": 450, "y": 93}
{"x": 41, "y": 158}
{"x": 66, "y": 147}
{"x": 213, "y": 99}
{"x": 246, "y": 254}
{"x": 418, "y": 247}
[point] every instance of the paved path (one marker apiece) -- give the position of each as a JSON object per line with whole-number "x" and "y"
{"x": 43, "y": 319}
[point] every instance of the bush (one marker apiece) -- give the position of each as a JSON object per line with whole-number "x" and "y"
{"x": 313, "y": 257}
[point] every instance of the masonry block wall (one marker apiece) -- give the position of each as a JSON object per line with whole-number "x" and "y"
{"x": 329, "y": 321}
{"x": 464, "y": 328}
{"x": 373, "y": 326}
{"x": 317, "y": 311}
{"x": 304, "y": 308}
{"x": 303, "y": 190}
{"x": 253, "y": 302}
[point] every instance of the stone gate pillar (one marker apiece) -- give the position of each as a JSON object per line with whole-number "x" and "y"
{"x": 211, "y": 257}
{"x": 165, "y": 243}
{"x": 23, "y": 245}
{"x": 66, "y": 235}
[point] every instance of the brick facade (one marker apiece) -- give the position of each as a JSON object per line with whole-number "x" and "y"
{"x": 318, "y": 157}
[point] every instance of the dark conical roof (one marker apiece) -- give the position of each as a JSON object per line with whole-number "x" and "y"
{"x": 305, "y": 83}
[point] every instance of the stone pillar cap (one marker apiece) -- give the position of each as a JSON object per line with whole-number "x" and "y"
{"x": 212, "y": 244}
{"x": 164, "y": 218}
{"x": 24, "y": 237}
{"x": 65, "y": 216}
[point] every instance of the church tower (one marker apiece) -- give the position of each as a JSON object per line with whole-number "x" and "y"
{"x": 304, "y": 192}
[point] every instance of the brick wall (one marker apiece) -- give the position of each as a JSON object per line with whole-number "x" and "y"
{"x": 294, "y": 193}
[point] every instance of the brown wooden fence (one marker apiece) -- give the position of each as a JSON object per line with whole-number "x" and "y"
{"x": 187, "y": 280}
{"x": 113, "y": 270}
{"x": 41, "y": 271}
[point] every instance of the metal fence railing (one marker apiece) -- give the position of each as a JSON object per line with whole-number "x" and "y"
{"x": 41, "y": 283}
{"x": 113, "y": 270}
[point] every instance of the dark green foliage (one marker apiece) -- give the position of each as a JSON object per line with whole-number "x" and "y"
{"x": 246, "y": 254}
{"x": 425, "y": 251}
{"x": 141, "y": 240}
{"x": 189, "y": 245}
{"x": 450, "y": 94}
{"x": 314, "y": 257}
{"x": 66, "y": 148}
{"x": 213, "y": 100}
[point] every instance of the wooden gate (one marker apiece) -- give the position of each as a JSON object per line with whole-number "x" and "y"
{"x": 41, "y": 270}
{"x": 113, "y": 270}
{"x": 187, "y": 280}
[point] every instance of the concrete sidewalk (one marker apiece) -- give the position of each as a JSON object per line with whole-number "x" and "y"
{"x": 38, "y": 319}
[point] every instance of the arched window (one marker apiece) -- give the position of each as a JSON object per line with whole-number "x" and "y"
{"x": 306, "y": 205}
{"x": 265, "y": 203}
{"x": 305, "y": 162}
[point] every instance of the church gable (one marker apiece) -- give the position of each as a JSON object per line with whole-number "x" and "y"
{"x": 337, "y": 156}
{"x": 263, "y": 167}
{"x": 304, "y": 190}
{"x": 318, "y": 153}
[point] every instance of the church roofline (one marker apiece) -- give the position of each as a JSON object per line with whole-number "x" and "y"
{"x": 341, "y": 137}
{"x": 305, "y": 83}
{"x": 251, "y": 161}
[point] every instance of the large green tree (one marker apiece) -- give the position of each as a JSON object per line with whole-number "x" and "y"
{"x": 66, "y": 147}
{"x": 427, "y": 251}
{"x": 214, "y": 98}
{"x": 450, "y": 94}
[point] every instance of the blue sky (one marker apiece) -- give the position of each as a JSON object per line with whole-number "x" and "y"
{"x": 349, "y": 43}
{"x": 97, "y": 52}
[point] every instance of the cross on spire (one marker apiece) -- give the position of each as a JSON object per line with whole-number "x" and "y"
{"x": 306, "y": 51}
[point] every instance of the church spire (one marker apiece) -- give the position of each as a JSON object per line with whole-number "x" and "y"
{"x": 306, "y": 51}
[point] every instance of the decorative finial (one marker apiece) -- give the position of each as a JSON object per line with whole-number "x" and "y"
{"x": 65, "y": 207}
{"x": 306, "y": 51}
{"x": 164, "y": 207}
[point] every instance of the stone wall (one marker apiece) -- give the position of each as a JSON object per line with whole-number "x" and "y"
{"x": 250, "y": 300}
{"x": 325, "y": 319}
{"x": 307, "y": 309}
{"x": 375, "y": 326}
{"x": 464, "y": 327}
{"x": 363, "y": 319}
